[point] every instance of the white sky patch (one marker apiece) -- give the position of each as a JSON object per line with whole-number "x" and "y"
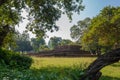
{"x": 64, "y": 28}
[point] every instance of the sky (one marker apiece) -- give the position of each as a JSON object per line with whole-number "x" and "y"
{"x": 92, "y": 8}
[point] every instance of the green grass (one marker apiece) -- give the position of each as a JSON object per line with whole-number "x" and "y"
{"x": 111, "y": 72}
{"x": 55, "y": 68}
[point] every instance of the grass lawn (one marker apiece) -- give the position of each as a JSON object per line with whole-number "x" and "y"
{"x": 60, "y": 62}
{"x": 111, "y": 72}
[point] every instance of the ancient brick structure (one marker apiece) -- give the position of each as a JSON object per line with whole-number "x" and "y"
{"x": 65, "y": 51}
{"x": 67, "y": 48}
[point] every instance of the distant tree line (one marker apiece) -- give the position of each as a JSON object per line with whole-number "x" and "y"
{"x": 21, "y": 42}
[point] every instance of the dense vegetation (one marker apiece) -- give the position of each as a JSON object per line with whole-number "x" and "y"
{"x": 12, "y": 60}
{"x": 100, "y": 33}
{"x": 71, "y": 69}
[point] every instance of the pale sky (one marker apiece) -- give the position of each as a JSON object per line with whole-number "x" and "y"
{"x": 92, "y": 8}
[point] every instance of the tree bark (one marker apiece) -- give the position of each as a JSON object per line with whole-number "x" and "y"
{"x": 4, "y": 30}
{"x": 93, "y": 70}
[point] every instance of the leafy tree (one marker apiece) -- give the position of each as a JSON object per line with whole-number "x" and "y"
{"x": 8, "y": 40}
{"x": 104, "y": 29}
{"x": 37, "y": 43}
{"x": 54, "y": 41}
{"x": 42, "y": 14}
{"x": 44, "y": 48}
{"x": 78, "y": 30}
{"x": 66, "y": 42}
{"x": 22, "y": 42}
{"x": 9, "y": 17}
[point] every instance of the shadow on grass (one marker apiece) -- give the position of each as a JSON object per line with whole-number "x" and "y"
{"x": 109, "y": 78}
{"x": 116, "y": 65}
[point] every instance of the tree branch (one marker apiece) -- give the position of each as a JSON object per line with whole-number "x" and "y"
{"x": 93, "y": 70}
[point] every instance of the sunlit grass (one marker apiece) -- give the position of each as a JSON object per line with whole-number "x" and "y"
{"x": 60, "y": 61}
{"x": 55, "y": 68}
{"x": 111, "y": 72}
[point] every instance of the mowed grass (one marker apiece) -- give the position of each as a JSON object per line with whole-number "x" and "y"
{"x": 111, "y": 72}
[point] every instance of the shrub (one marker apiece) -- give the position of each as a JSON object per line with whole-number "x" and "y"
{"x": 20, "y": 61}
{"x": 14, "y": 60}
{"x": 5, "y": 56}
{"x": 45, "y": 73}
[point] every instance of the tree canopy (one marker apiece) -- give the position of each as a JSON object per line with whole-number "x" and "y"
{"x": 37, "y": 43}
{"x": 42, "y": 14}
{"x": 66, "y": 42}
{"x": 54, "y": 42}
{"x": 78, "y": 30}
{"x": 104, "y": 29}
{"x": 22, "y": 42}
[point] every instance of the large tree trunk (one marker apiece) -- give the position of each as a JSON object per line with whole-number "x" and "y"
{"x": 93, "y": 70}
{"x": 4, "y": 30}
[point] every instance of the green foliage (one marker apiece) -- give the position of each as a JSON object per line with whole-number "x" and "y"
{"x": 45, "y": 73}
{"x": 57, "y": 41}
{"x": 44, "y": 48}
{"x": 45, "y": 13}
{"x": 14, "y": 60}
{"x": 37, "y": 44}
{"x": 20, "y": 62}
{"x": 9, "y": 17}
{"x": 6, "y": 33}
{"x": 22, "y": 42}
{"x": 81, "y": 27}
{"x": 66, "y": 42}
{"x": 110, "y": 72}
{"x": 54, "y": 41}
{"x": 104, "y": 29}
{"x": 42, "y": 15}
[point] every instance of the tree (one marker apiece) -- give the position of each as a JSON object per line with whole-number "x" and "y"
{"x": 22, "y": 42}
{"x": 78, "y": 30}
{"x": 42, "y": 14}
{"x": 93, "y": 70}
{"x": 66, "y": 42}
{"x": 44, "y": 48}
{"x": 6, "y": 36}
{"x": 104, "y": 29}
{"x": 37, "y": 43}
{"x": 54, "y": 41}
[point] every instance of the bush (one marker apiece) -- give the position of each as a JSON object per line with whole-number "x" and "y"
{"x": 20, "y": 61}
{"x": 14, "y": 60}
{"x": 45, "y": 73}
{"x": 5, "y": 56}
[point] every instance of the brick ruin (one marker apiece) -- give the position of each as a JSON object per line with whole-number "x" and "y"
{"x": 65, "y": 51}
